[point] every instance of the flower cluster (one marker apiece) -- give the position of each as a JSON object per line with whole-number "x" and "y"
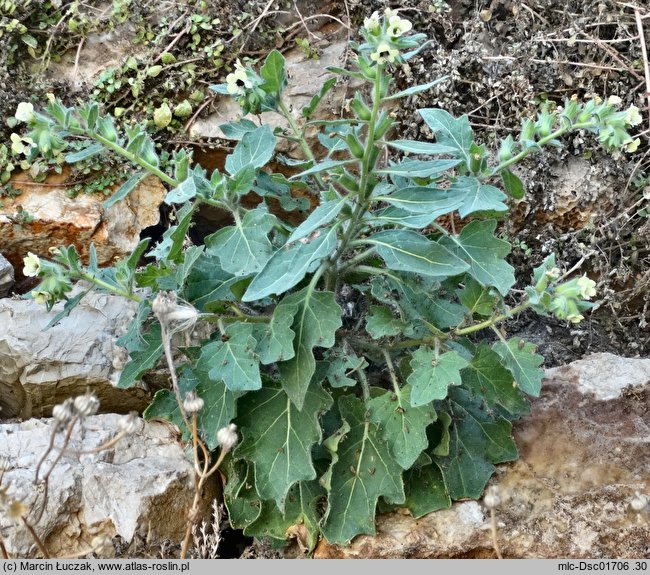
{"x": 56, "y": 281}
{"x": 386, "y": 37}
{"x": 249, "y": 89}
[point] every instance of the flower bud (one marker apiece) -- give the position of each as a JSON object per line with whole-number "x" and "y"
{"x": 86, "y": 404}
{"x": 227, "y": 437}
{"x": 193, "y": 403}
{"x": 64, "y": 412}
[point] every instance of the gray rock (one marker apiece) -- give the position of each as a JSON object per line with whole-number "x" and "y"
{"x": 585, "y": 452}
{"x": 143, "y": 486}
{"x": 40, "y": 368}
{"x": 6, "y": 276}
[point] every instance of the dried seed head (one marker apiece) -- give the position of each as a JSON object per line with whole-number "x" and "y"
{"x": 65, "y": 411}
{"x": 173, "y": 315}
{"x": 193, "y": 403}
{"x": 86, "y": 404}
{"x": 227, "y": 437}
{"x": 163, "y": 303}
{"x": 492, "y": 499}
{"x": 130, "y": 423}
{"x": 638, "y": 502}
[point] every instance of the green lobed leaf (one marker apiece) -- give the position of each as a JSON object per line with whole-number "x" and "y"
{"x": 477, "y": 196}
{"x": 403, "y": 427}
{"x": 321, "y": 216}
{"x": 420, "y": 200}
{"x": 477, "y": 441}
{"x": 145, "y": 353}
{"x": 236, "y": 130}
{"x": 488, "y": 378}
{"x": 195, "y": 184}
{"x": 363, "y": 471}
{"x": 208, "y": 283}
{"x": 232, "y": 358}
{"x": 243, "y": 249}
{"x": 242, "y": 182}
{"x": 275, "y": 339}
{"x": 484, "y": 253}
{"x": 476, "y": 298}
{"x": 419, "y": 168}
{"x": 289, "y": 264}
{"x": 425, "y": 490}
{"x": 317, "y": 316}
{"x": 340, "y": 363}
{"x": 405, "y": 250}
{"x": 431, "y": 377}
{"x": 450, "y": 131}
{"x": 381, "y": 322}
{"x": 520, "y": 358}
{"x": 242, "y": 501}
{"x": 255, "y": 149}
{"x": 278, "y": 438}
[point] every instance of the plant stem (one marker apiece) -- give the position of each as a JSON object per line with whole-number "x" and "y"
{"x": 542, "y": 141}
{"x": 356, "y": 259}
{"x": 490, "y": 322}
{"x": 104, "y": 285}
{"x": 364, "y": 385}
{"x": 391, "y": 371}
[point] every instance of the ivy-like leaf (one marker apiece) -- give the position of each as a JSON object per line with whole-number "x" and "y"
{"x": 404, "y": 250}
{"x": 145, "y": 353}
{"x": 288, "y": 265}
{"x": 476, "y": 298}
{"x": 425, "y": 490}
{"x": 242, "y": 501}
{"x": 339, "y": 364}
{"x": 207, "y": 282}
{"x": 381, "y": 322}
{"x": 450, "y": 131}
{"x": 317, "y": 316}
{"x": 363, "y": 472}
{"x": 488, "y": 378}
{"x": 477, "y": 441}
{"x": 278, "y": 438}
{"x": 244, "y": 248}
{"x": 402, "y": 426}
{"x": 484, "y": 253}
{"x": 275, "y": 339}
{"x": 255, "y": 149}
{"x": 520, "y": 358}
{"x": 477, "y": 196}
{"x": 432, "y": 377}
{"x": 232, "y": 359}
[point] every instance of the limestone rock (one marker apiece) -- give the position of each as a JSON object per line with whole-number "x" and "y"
{"x": 54, "y": 219}
{"x": 585, "y": 451}
{"x": 40, "y": 368}
{"x": 143, "y": 486}
{"x": 6, "y": 276}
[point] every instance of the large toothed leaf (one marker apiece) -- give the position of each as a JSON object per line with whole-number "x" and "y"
{"x": 242, "y": 501}
{"x": 208, "y": 283}
{"x": 431, "y": 377}
{"x": 144, "y": 353}
{"x": 476, "y": 298}
{"x": 363, "y": 471}
{"x": 317, "y": 316}
{"x": 477, "y": 196}
{"x": 232, "y": 358}
{"x": 278, "y": 438}
{"x": 254, "y": 149}
{"x": 381, "y": 322}
{"x": 520, "y": 358}
{"x": 289, "y": 265}
{"x": 402, "y": 426}
{"x": 275, "y": 339}
{"x": 478, "y": 440}
{"x": 244, "y": 248}
{"x": 484, "y": 253}
{"x": 404, "y": 250}
{"x": 425, "y": 490}
{"x": 450, "y": 131}
{"x": 486, "y": 376}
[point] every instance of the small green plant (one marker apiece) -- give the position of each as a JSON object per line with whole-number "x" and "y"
{"x": 349, "y": 350}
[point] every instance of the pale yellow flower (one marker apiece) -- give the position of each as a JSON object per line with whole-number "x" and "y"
{"x": 372, "y": 23}
{"x": 632, "y": 116}
{"x": 633, "y": 145}
{"x": 384, "y": 53}
{"x": 614, "y": 101}
{"x": 238, "y": 81}
{"x": 398, "y": 26}
{"x": 575, "y": 318}
{"x": 32, "y": 265}
{"x": 40, "y": 297}
{"x": 24, "y": 112}
{"x": 587, "y": 287}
